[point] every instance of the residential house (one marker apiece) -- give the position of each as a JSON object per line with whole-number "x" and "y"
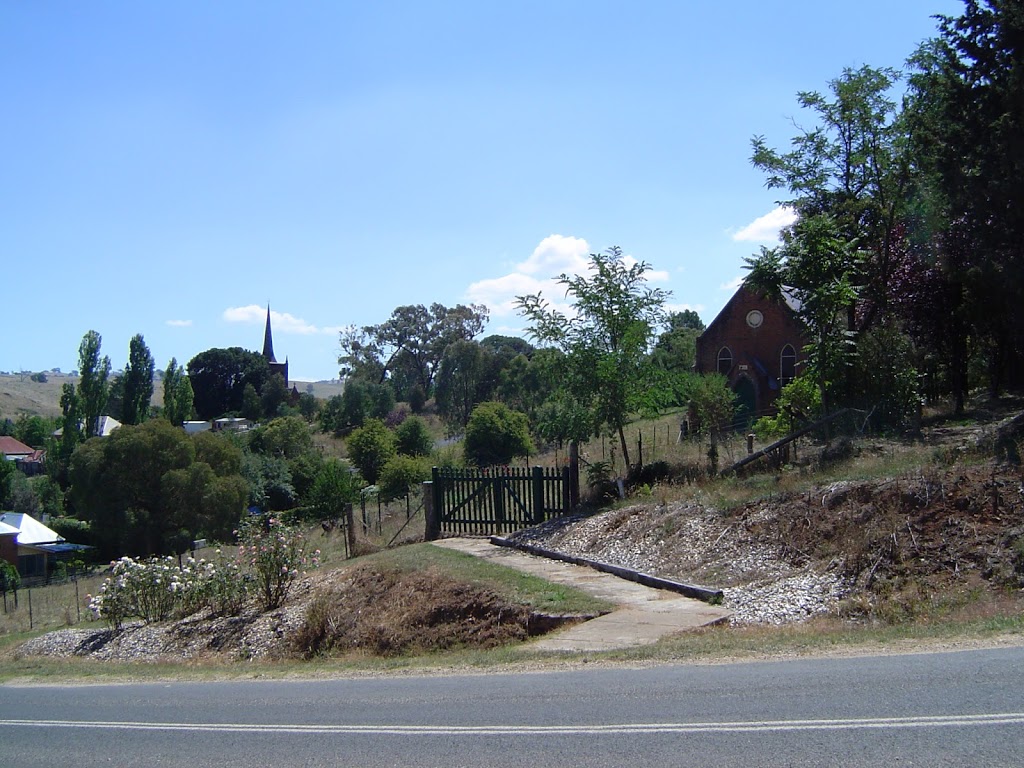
{"x": 35, "y": 546}
{"x": 14, "y": 450}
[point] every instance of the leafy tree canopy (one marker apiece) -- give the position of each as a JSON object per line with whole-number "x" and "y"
{"x": 218, "y": 378}
{"x": 607, "y": 339}
{"x": 415, "y": 336}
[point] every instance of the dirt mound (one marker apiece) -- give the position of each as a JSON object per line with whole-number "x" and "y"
{"x": 886, "y": 549}
{"x": 389, "y": 612}
{"x": 364, "y": 609}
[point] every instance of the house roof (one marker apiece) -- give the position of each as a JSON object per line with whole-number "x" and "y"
{"x": 7, "y": 530}
{"x": 11, "y": 447}
{"x": 30, "y": 530}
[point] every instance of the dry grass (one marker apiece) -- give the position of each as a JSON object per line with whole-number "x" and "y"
{"x": 51, "y": 607}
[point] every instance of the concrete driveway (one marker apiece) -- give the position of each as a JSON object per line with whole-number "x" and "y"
{"x": 644, "y": 616}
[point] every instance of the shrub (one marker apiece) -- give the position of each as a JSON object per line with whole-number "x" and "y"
{"x": 412, "y": 438}
{"x": 495, "y": 434}
{"x": 370, "y": 447}
{"x": 400, "y": 474}
{"x": 273, "y": 553}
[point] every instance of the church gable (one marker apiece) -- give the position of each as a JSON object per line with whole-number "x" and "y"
{"x": 757, "y": 344}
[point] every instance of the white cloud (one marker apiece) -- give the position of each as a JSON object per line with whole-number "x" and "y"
{"x": 698, "y": 308}
{"x": 282, "y": 322}
{"x": 555, "y": 255}
{"x": 179, "y": 323}
{"x": 765, "y": 229}
{"x": 732, "y": 285}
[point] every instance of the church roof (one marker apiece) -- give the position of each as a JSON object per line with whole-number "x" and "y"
{"x": 268, "y": 341}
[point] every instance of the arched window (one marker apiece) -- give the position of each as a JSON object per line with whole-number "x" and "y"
{"x": 724, "y": 361}
{"x": 787, "y": 365}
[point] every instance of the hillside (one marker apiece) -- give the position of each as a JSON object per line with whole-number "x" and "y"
{"x": 20, "y": 395}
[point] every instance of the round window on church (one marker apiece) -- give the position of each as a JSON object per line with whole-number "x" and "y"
{"x": 754, "y": 318}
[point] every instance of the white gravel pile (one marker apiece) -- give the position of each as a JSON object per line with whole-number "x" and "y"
{"x": 691, "y": 544}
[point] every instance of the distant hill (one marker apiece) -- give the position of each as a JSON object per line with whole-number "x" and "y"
{"x": 19, "y": 394}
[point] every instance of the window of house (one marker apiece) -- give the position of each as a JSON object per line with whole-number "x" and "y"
{"x": 787, "y": 365}
{"x": 724, "y": 361}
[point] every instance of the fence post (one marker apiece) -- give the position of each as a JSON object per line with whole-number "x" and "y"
{"x": 432, "y": 507}
{"x": 350, "y": 530}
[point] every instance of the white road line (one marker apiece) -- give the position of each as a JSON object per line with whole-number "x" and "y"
{"x": 937, "y": 721}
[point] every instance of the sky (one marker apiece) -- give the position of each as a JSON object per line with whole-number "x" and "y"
{"x": 173, "y": 169}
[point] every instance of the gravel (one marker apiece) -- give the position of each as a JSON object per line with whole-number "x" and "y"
{"x": 692, "y": 544}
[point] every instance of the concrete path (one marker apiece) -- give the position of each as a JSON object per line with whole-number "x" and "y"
{"x": 645, "y": 615}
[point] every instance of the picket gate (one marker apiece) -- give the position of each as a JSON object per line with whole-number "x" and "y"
{"x": 498, "y": 500}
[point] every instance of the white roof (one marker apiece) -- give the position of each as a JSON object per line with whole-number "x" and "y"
{"x": 6, "y": 529}
{"x": 30, "y": 530}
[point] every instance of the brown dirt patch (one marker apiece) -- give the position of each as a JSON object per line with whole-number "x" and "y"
{"x": 389, "y": 612}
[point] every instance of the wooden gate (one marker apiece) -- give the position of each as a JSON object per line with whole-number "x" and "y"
{"x": 489, "y": 501}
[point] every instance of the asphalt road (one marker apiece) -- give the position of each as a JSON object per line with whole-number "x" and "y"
{"x": 962, "y": 708}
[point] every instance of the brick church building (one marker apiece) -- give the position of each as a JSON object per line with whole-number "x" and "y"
{"x": 757, "y": 344}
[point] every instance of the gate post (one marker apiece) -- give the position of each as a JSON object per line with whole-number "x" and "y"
{"x": 433, "y": 521}
{"x": 574, "y": 475}
{"x": 537, "y": 513}
{"x": 432, "y": 507}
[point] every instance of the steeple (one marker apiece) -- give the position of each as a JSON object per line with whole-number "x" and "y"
{"x": 268, "y": 340}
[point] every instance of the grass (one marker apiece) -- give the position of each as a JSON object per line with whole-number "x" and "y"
{"x": 50, "y": 607}
{"x": 540, "y": 595}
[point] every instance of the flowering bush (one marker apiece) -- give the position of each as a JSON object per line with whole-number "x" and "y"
{"x": 273, "y": 552}
{"x": 220, "y": 585}
{"x": 148, "y": 589}
{"x": 269, "y": 560}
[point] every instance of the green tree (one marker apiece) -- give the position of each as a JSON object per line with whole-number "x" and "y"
{"x": 370, "y": 447}
{"x": 219, "y": 452}
{"x": 273, "y": 396}
{"x": 117, "y": 486}
{"x": 93, "y": 385}
{"x": 252, "y": 408}
{"x": 7, "y": 473}
{"x": 59, "y": 460}
{"x": 496, "y": 434}
{"x": 460, "y": 383}
{"x": 850, "y": 164}
{"x": 415, "y": 336}
{"x": 714, "y": 403}
{"x": 359, "y": 401}
{"x": 815, "y": 265}
{"x": 178, "y": 394}
{"x": 676, "y": 348}
{"x": 286, "y": 437}
{"x": 219, "y": 376}
{"x": 32, "y": 430}
{"x": 412, "y": 438}
{"x": 270, "y": 482}
{"x": 137, "y": 382}
{"x": 606, "y": 342}
{"x": 335, "y": 486}
{"x": 967, "y": 120}
{"x": 309, "y": 406}
{"x": 401, "y": 474}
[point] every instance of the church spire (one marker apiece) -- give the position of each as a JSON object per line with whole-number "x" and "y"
{"x": 268, "y": 341}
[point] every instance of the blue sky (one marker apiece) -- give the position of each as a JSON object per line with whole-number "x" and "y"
{"x": 170, "y": 169}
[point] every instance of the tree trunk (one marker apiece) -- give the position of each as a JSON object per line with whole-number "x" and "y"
{"x": 625, "y": 449}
